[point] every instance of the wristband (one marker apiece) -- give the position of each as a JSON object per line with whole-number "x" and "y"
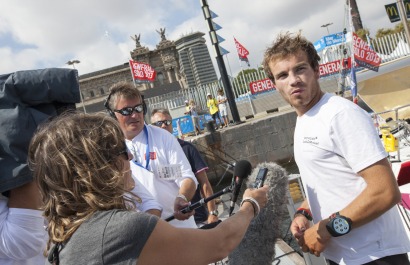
{"x": 305, "y": 212}
{"x": 255, "y": 205}
{"x": 182, "y": 196}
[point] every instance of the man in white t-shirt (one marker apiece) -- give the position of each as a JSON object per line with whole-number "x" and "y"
{"x": 159, "y": 162}
{"x": 350, "y": 187}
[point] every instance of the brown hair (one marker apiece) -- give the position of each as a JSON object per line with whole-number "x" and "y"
{"x": 289, "y": 44}
{"x": 75, "y": 161}
{"x": 122, "y": 89}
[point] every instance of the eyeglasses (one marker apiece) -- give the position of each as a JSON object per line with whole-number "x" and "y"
{"x": 159, "y": 123}
{"x": 127, "y": 111}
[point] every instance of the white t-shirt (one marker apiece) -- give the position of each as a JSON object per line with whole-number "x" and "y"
{"x": 221, "y": 106}
{"x": 333, "y": 141}
{"x": 23, "y": 236}
{"x": 168, "y": 168}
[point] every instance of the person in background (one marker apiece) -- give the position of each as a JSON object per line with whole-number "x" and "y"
{"x": 162, "y": 118}
{"x": 159, "y": 162}
{"x": 350, "y": 188}
{"x": 82, "y": 167}
{"x": 212, "y": 104}
{"x": 191, "y": 110}
{"x": 223, "y": 111}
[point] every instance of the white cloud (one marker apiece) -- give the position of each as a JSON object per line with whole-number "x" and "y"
{"x": 47, "y": 33}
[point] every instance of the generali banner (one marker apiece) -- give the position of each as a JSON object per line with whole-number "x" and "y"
{"x": 261, "y": 86}
{"x": 332, "y": 68}
{"x": 364, "y": 55}
{"x": 142, "y": 72}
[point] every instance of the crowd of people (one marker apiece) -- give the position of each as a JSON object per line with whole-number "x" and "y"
{"x": 106, "y": 183}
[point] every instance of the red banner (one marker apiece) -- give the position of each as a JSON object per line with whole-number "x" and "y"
{"x": 364, "y": 55}
{"x": 242, "y": 51}
{"x": 261, "y": 86}
{"x": 332, "y": 68}
{"x": 142, "y": 72}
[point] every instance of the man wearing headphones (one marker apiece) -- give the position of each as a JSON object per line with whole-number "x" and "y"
{"x": 159, "y": 162}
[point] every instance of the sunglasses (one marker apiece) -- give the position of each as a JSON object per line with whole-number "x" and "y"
{"x": 127, "y": 111}
{"x": 159, "y": 123}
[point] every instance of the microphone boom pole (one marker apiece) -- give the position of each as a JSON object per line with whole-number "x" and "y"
{"x": 201, "y": 202}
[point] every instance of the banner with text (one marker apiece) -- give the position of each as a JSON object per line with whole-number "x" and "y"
{"x": 260, "y": 86}
{"x": 332, "y": 68}
{"x": 142, "y": 72}
{"x": 364, "y": 55}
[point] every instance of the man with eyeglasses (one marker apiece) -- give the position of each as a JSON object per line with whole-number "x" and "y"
{"x": 158, "y": 160}
{"x": 163, "y": 119}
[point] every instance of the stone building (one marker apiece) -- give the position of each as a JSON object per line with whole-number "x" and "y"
{"x": 164, "y": 59}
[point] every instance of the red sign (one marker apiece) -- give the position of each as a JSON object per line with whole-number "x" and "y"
{"x": 261, "y": 86}
{"x": 142, "y": 72}
{"x": 332, "y": 68}
{"x": 364, "y": 54}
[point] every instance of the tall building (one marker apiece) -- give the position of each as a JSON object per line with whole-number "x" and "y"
{"x": 194, "y": 60}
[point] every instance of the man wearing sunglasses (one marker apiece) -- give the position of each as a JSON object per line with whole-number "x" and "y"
{"x": 158, "y": 160}
{"x": 163, "y": 119}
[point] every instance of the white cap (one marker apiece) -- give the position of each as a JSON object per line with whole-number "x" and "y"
{"x": 209, "y": 94}
{"x": 186, "y": 101}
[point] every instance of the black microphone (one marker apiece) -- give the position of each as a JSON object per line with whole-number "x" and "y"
{"x": 258, "y": 244}
{"x": 242, "y": 170}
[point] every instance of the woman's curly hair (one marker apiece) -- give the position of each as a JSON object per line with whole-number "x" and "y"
{"x": 75, "y": 161}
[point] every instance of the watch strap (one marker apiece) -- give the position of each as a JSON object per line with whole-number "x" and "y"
{"x": 215, "y": 212}
{"x": 305, "y": 212}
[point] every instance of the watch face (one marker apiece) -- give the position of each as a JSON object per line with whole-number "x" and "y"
{"x": 340, "y": 226}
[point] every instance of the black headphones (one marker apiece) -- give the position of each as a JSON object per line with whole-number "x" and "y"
{"x": 111, "y": 112}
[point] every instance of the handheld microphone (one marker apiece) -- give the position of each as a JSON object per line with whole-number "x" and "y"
{"x": 258, "y": 244}
{"x": 242, "y": 170}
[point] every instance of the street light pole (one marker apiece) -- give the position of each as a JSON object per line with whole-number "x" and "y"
{"x": 327, "y": 27}
{"x": 221, "y": 64}
{"x": 73, "y": 62}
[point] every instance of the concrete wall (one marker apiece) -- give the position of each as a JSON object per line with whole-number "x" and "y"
{"x": 269, "y": 138}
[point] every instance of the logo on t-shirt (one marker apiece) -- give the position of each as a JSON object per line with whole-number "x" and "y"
{"x": 310, "y": 140}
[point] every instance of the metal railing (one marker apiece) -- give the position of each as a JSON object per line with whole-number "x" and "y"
{"x": 397, "y": 123}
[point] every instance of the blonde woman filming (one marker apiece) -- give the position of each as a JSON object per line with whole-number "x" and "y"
{"x": 82, "y": 167}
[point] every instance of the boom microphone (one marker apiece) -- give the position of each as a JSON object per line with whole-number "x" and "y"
{"x": 258, "y": 245}
{"x": 242, "y": 170}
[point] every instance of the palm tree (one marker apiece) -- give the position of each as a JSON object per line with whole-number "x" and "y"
{"x": 357, "y": 21}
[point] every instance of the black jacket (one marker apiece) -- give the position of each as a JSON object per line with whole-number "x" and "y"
{"x": 28, "y": 98}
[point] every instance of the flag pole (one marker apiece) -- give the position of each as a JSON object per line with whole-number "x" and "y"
{"x": 132, "y": 74}
{"x": 353, "y": 85}
{"x": 229, "y": 66}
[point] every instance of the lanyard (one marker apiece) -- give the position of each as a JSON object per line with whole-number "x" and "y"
{"x": 147, "y": 156}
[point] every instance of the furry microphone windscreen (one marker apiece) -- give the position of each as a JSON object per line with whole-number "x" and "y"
{"x": 258, "y": 244}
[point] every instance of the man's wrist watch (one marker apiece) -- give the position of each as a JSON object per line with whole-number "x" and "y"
{"x": 215, "y": 212}
{"x": 338, "y": 225}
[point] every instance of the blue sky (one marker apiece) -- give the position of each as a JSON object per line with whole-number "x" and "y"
{"x": 48, "y": 33}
